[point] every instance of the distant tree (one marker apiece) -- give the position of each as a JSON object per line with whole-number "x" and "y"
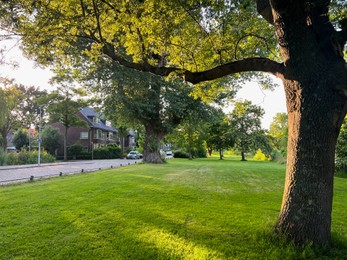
{"x": 63, "y": 106}
{"x": 279, "y": 132}
{"x": 219, "y": 135}
{"x": 245, "y": 121}
{"x": 190, "y": 134}
{"x": 50, "y": 137}
{"x": 28, "y": 105}
{"x": 135, "y": 98}
{"x": 10, "y": 98}
{"x": 20, "y": 139}
{"x": 122, "y": 133}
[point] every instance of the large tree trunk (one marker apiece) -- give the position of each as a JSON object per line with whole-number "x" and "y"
{"x": 315, "y": 84}
{"x": 151, "y": 150}
{"x": 307, "y": 200}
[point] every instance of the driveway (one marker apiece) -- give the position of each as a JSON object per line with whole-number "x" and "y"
{"x": 22, "y": 173}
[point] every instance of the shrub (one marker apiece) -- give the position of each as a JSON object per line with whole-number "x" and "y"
{"x": 26, "y": 157}
{"x": 259, "y": 156}
{"x": 20, "y": 139}
{"x": 341, "y": 167}
{"x": 199, "y": 152}
{"x": 107, "y": 152}
{"x": 181, "y": 154}
{"x": 75, "y": 149}
{"x": 278, "y": 157}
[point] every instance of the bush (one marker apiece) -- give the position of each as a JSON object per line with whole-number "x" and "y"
{"x": 199, "y": 153}
{"x": 75, "y": 149}
{"x": 50, "y": 137}
{"x": 26, "y": 157}
{"x": 107, "y": 152}
{"x": 278, "y": 157}
{"x": 181, "y": 154}
{"x": 20, "y": 139}
{"x": 341, "y": 167}
{"x": 259, "y": 156}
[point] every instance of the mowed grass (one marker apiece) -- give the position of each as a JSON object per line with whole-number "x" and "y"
{"x": 200, "y": 209}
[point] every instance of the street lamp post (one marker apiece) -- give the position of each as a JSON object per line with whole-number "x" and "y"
{"x": 39, "y": 139}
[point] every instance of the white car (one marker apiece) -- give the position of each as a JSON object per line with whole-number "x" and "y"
{"x": 168, "y": 155}
{"x": 134, "y": 155}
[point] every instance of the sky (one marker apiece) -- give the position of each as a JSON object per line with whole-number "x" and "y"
{"x": 28, "y": 74}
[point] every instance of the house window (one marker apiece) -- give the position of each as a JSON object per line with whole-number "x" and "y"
{"x": 110, "y": 136}
{"x": 98, "y": 134}
{"x": 84, "y": 135}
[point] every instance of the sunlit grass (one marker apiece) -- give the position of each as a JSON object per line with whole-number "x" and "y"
{"x": 200, "y": 209}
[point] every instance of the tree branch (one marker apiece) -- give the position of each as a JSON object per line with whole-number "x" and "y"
{"x": 265, "y": 10}
{"x": 250, "y": 64}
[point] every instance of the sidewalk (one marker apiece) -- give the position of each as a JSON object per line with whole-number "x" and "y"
{"x": 22, "y": 173}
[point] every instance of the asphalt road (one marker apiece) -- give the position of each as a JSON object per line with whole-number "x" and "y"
{"x": 23, "y": 173}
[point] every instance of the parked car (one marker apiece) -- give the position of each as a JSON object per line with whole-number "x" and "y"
{"x": 168, "y": 155}
{"x": 134, "y": 155}
{"x": 139, "y": 154}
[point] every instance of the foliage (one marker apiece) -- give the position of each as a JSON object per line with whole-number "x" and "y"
{"x": 75, "y": 149}
{"x": 50, "y": 137}
{"x": 341, "y": 145}
{"x": 219, "y": 136}
{"x": 2, "y": 157}
{"x": 180, "y": 154}
{"x": 63, "y": 106}
{"x": 28, "y": 105}
{"x": 245, "y": 121}
{"x": 20, "y": 139}
{"x": 279, "y": 132}
{"x": 259, "y": 156}
{"x": 341, "y": 167}
{"x": 25, "y": 157}
{"x": 161, "y": 211}
{"x": 107, "y": 152}
{"x": 190, "y": 135}
{"x": 18, "y": 107}
{"x": 10, "y": 97}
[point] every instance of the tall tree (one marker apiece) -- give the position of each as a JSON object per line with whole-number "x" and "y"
{"x": 10, "y": 97}
{"x": 299, "y": 41}
{"x": 147, "y": 100}
{"x": 27, "y": 114}
{"x": 219, "y": 135}
{"x": 63, "y": 106}
{"x": 245, "y": 120}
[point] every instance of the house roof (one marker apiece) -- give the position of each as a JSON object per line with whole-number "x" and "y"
{"x": 89, "y": 113}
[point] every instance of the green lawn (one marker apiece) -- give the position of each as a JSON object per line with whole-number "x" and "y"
{"x": 200, "y": 209}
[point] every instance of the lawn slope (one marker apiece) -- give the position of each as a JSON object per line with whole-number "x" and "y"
{"x": 200, "y": 209}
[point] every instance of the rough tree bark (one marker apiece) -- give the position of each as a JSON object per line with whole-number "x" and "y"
{"x": 151, "y": 150}
{"x": 314, "y": 80}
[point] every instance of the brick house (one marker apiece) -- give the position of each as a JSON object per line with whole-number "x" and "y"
{"x": 99, "y": 132}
